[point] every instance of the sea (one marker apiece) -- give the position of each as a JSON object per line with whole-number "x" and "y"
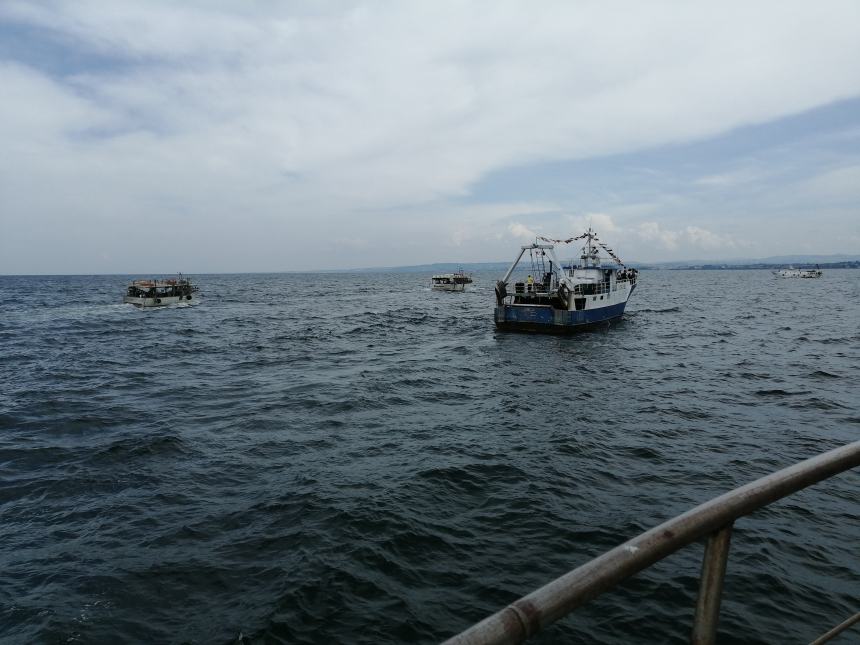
{"x": 354, "y": 458}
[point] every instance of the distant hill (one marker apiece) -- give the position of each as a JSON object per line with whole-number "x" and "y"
{"x": 757, "y": 263}
{"x": 777, "y": 261}
{"x": 848, "y": 264}
{"x": 439, "y": 267}
{"x": 810, "y": 259}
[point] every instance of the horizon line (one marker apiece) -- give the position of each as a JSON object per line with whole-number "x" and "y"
{"x": 853, "y": 257}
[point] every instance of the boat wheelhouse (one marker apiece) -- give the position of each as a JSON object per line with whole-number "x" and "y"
{"x": 555, "y": 298}
{"x": 456, "y": 281}
{"x": 791, "y": 272}
{"x": 160, "y": 293}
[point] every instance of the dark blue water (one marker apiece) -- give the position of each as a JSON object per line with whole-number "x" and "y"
{"x": 357, "y": 459}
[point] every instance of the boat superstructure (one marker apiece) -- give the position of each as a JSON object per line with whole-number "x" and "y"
{"x": 791, "y": 272}
{"x": 554, "y": 298}
{"x": 160, "y": 293}
{"x": 456, "y": 281}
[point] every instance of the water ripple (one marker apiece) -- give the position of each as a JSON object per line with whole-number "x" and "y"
{"x": 355, "y": 458}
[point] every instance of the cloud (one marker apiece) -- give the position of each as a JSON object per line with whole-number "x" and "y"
{"x": 733, "y": 178}
{"x": 599, "y": 221}
{"x": 687, "y": 237}
{"x": 652, "y": 232}
{"x": 706, "y": 239}
{"x": 522, "y": 232}
{"x": 837, "y": 184}
{"x": 252, "y": 123}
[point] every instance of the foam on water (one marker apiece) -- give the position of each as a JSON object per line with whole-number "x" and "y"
{"x": 357, "y": 458}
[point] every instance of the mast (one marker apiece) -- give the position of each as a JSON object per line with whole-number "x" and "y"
{"x": 588, "y": 249}
{"x": 589, "y": 242}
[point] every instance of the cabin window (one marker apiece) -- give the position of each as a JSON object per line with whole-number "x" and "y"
{"x": 594, "y": 297}
{"x": 601, "y": 297}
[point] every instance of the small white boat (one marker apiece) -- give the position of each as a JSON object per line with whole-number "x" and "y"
{"x": 160, "y": 293}
{"x": 456, "y": 281}
{"x": 791, "y": 272}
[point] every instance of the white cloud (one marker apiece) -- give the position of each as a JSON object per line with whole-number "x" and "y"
{"x": 240, "y": 124}
{"x": 838, "y": 184}
{"x": 693, "y": 237}
{"x": 600, "y": 222}
{"x": 522, "y": 232}
{"x": 732, "y": 178}
{"x": 706, "y": 239}
{"x": 653, "y": 232}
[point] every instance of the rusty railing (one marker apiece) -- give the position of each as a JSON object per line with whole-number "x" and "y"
{"x": 713, "y": 519}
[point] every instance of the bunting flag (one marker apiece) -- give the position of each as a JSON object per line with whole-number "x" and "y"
{"x": 583, "y": 236}
{"x": 611, "y": 253}
{"x": 567, "y": 241}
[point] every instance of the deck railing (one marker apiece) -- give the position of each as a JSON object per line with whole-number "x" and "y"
{"x": 589, "y": 289}
{"x": 713, "y": 519}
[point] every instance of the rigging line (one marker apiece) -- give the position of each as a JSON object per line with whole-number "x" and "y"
{"x": 567, "y": 241}
{"x": 612, "y": 255}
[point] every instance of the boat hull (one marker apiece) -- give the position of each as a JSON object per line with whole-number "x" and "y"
{"x": 803, "y": 274}
{"x": 545, "y": 319}
{"x": 449, "y": 287}
{"x": 162, "y": 301}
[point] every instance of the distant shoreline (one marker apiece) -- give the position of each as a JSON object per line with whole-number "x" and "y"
{"x": 748, "y": 267}
{"x": 670, "y": 266}
{"x": 487, "y": 266}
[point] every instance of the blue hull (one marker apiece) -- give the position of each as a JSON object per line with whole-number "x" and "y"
{"x": 548, "y": 320}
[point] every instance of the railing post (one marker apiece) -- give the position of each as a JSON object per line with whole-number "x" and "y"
{"x": 711, "y": 587}
{"x": 841, "y": 627}
{"x": 544, "y": 606}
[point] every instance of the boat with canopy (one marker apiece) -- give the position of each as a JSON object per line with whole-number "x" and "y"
{"x": 456, "y": 281}
{"x": 160, "y": 293}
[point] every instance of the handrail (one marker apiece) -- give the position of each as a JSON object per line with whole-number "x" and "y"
{"x": 841, "y": 627}
{"x": 595, "y": 288}
{"x": 714, "y": 518}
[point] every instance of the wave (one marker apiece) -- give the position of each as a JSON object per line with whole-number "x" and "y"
{"x": 778, "y": 392}
{"x": 320, "y": 458}
{"x": 666, "y": 310}
{"x": 138, "y": 447}
{"x": 821, "y": 374}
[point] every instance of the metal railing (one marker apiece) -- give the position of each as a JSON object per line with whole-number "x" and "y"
{"x": 587, "y": 289}
{"x": 714, "y": 519}
{"x": 592, "y": 289}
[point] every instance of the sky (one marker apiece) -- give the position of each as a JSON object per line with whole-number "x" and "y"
{"x": 210, "y": 136}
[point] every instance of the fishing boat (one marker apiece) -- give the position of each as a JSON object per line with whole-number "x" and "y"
{"x": 160, "y": 293}
{"x": 456, "y": 281}
{"x": 791, "y": 272}
{"x": 556, "y": 298}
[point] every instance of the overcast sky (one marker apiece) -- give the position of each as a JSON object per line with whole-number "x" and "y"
{"x": 262, "y": 136}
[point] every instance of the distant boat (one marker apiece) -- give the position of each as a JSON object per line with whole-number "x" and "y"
{"x": 564, "y": 299}
{"x": 456, "y": 281}
{"x": 160, "y": 293}
{"x": 791, "y": 272}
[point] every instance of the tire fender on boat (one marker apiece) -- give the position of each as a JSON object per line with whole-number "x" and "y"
{"x": 563, "y": 293}
{"x": 501, "y": 292}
